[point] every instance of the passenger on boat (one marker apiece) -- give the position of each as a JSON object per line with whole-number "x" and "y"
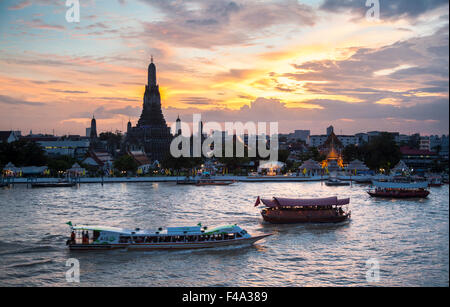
{"x": 72, "y": 238}
{"x": 85, "y": 237}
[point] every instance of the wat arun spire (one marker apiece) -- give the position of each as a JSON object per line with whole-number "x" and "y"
{"x": 152, "y": 115}
{"x": 151, "y": 134}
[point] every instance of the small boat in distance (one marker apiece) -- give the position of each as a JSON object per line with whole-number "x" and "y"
{"x": 362, "y": 179}
{"x": 192, "y": 237}
{"x": 316, "y": 210}
{"x": 187, "y": 181}
{"x": 393, "y": 189}
{"x": 435, "y": 181}
{"x": 334, "y": 182}
{"x": 445, "y": 179}
{"x": 60, "y": 184}
{"x": 202, "y": 182}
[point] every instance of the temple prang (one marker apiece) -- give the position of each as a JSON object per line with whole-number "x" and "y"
{"x": 151, "y": 134}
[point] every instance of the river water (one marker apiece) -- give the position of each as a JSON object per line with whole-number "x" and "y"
{"x": 408, "y": 239}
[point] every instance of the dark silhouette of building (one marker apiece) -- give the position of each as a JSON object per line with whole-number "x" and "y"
{"x": 178, "y": 126}
{"x": 93, "y": 135}
{"x": 95, "y": 143}
{"x": 151, "y": 134}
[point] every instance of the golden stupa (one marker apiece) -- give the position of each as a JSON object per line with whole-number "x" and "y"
{"x": 334, "y": 159}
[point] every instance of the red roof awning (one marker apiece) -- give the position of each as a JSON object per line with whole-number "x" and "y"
{"x": 313, "y": 202}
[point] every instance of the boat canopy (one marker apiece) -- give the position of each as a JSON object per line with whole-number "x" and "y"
{"x": 102, "y": 228}
{"x": 184, "y": 230}
{"x": 313, "y": 202}
{"x": 401, "y": 185}
{"x": 223, "y": 229}
{"x": 189, "y": 230}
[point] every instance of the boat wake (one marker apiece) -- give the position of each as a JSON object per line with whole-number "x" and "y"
{"x": 31, "y": 264}
{"x": 28, "y": 250}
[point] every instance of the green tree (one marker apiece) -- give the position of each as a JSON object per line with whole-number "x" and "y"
{"x": 313, "y": 153}
{"x": 381, "y": 152}
{"x": 113, "y": 140}
{"x": 181, "y": 162}
{"x": 283, "y": 155}
{"x": 125, "y": 163}
{"x": 60, "y": 163}
{"x": 22, "y": 153}
{"x": 352, "y": 152}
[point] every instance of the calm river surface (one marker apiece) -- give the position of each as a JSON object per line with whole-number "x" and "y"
{"x": 409, "y": 238}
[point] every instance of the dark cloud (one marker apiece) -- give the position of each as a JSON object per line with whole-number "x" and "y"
{"x": 196, "y": 101}
{"x": 49, "y": 82}
{"x": 69, "y": 92}
{"x": 113, "y": 99}
{"x": 398, "y": 85}
{"x": 389, "y": 9}
{"x": 15, "y": 101}
{"x": 403, "y": 71}
{"x": 104, "y": 113}
{"x": 221, "y": 22}
{"x": 434, "y": 113}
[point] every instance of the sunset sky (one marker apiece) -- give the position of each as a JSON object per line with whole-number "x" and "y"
{"x": 306, "y": 64}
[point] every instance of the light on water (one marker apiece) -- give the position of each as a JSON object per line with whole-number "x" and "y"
{"x": 409, "y": 239}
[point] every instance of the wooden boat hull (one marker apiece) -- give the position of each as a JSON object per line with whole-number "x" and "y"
{"x": 435, "y": 185}
{"x": 168, "y": 246}
{"x": 307, "y": 216}
{"x": 214, "y": 183}
{"x": 400, "y": 194}
{"x": 52, "y": 185}
{"x": 187, "y": 182}
{"x": 332, "y": 184}
{"x": 363, "y": 181}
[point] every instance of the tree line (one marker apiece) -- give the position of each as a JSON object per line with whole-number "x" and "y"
{"x": 380, "y": 152}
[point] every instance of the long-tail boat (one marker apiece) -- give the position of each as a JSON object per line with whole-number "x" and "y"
{"x": 334, "y": 182}
{"x": 317, "y": 210}
{"x": 85, "y": 237}
{"x": 392, "y": 189}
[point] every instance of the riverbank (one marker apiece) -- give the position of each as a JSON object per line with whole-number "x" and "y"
{"x": 166, "y": 179}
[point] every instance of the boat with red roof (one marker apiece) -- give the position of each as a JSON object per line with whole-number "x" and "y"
{"x": 393, "y": 189}
{"x": 317, "y": 210}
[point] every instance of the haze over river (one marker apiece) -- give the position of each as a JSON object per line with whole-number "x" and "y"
{"x": 408, "y": 238}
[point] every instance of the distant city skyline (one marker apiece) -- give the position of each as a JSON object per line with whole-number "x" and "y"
{"x": 306, "y": 64}
{"x": 86, "y": 132}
